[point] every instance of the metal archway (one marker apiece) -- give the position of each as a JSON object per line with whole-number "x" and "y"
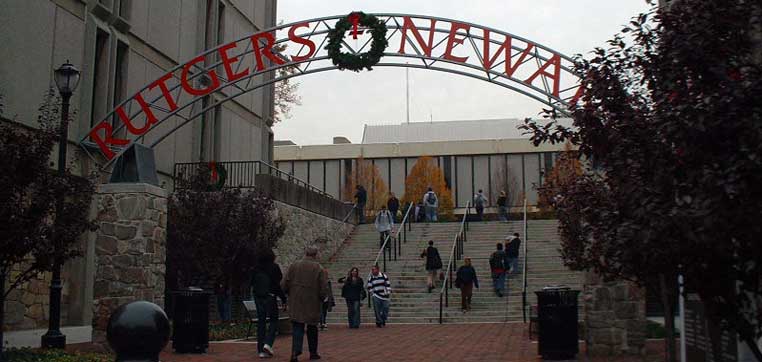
{"x": 233, "y": 69}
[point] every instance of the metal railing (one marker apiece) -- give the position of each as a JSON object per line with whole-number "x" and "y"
{"x": 404, "y": 226}
{"x": 456, "y": 253}
{"x": 241, "y": 174}
{"x": 524, "y": 267}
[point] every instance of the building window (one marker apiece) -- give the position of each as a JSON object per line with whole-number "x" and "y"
{"x": 100, "y": 77}
{"x": 448, "y": 171}
{"x": 120, "y": 77}
{"x": 125, "y": 7}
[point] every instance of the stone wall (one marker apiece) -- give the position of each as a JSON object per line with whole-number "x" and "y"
{"x": 305, "y": 228}
{"x": 27, "y": 306}
{"x": 615, "y": 313}
{"x": 130, "y": 248}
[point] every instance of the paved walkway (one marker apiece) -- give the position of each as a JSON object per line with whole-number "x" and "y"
{"x": 414, "y": 343}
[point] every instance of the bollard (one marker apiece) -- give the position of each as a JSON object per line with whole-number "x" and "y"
{"x": 138, "y": 332}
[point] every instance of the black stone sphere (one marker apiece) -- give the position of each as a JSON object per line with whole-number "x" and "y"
{"x": 138, "y": 331}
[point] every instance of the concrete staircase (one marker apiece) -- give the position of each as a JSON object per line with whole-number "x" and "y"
{"x": 410, "y": 301}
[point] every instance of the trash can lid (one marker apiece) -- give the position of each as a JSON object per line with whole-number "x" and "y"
{"x": 551, "y": 288}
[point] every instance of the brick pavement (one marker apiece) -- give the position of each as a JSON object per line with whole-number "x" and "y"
{"x": 414, "y": 343}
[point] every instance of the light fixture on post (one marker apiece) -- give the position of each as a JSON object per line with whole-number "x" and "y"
{"x": 67, "y": 79}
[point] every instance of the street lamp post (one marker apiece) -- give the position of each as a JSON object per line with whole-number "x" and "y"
{"x": 67, "y": 79}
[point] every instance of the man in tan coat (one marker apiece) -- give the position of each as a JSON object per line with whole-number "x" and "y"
{"x": 307, "y": 289}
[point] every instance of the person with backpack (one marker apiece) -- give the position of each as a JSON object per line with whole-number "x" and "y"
{"x": 265, "y": 284}
{"x": 502, "y": 206}
{"x": 465, "y": 280}
{"x": 361, "y": 198}
{"x": 479, "y": 202}
{"x": 328, "y": 304}
{"x": 393, "y": 204}
{"x": 497, "y": 267}
{"x": 384, "y": 223}
{"x": 512, "y": 247}
{"x": 430, "y": 203}
{"x": 433, "y": 264}
{"x": 353, "y": 292}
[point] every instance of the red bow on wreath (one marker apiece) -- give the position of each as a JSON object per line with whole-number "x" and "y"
{"x": 213, "y": 168}
{"x": 354, "y": 18}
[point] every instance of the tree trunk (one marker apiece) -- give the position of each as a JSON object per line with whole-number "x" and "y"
{"x": 669, "y": 318}
{"x": 2, "y": 314}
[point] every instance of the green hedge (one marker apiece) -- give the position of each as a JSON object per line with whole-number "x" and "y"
{"x": 230, "y": 330}
{"x": 52, "y": 355}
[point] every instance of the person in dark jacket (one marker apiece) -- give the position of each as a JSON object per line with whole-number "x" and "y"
{"x": 265, "y": 283}
{"x": 393, "y": 204}
{"x": 466, "y": 280}
{"x": 502, "y": 206}
{"x": 497, "y": 267}
{"x": 353, "y": 291}
{"x": 433, "y": 264}
{"x": 512, "y": 247}
{"x": 361, "y": 198}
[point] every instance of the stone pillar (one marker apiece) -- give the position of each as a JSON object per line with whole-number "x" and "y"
{"x": 130, "y": 249}
{"x": 615, "y": 322}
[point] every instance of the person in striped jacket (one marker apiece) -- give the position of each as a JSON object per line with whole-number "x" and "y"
{"x": 380, "y": 289}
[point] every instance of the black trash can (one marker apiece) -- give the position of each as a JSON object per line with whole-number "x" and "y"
{"x": 557, "y": 323}
{"x": 190, "y": 320}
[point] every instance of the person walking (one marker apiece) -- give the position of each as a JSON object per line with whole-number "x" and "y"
{"x": 380, "y": 290}
{"x": 419, "y": 212}
{"x": 384, "y": 223}
{"x": 497, "y": 267}
{"x": 502, "y": 206}
{"x": 433, "y": 264}
{"x": 393, "y": 204}
{"x": 479, "y": 202}
{"x": 361, "y": 198}
{"x": 430, "y": 202}
{"x": 327, "y": 305}
{"x": 466, "y": 280}
{"x": 307, "y": 287}
{"x": 512, "y": 247}
{"x": 353, "y": 291}
{"x": 265, "y": 285}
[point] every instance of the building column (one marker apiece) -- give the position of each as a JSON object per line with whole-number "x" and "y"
{"x": 130, "y": 249}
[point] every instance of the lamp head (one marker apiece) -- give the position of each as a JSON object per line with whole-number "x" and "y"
{"x": 67, "y": 78}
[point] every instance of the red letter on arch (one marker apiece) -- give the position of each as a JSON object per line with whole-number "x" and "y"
{"x": 162, "y": 84}
{"x": 453, "y": 39}
{"x": 266, "y": 50}
{"x": 150, "y": 117}
{"x": 409, "y": 25}
{"x": 506, "y": 49}
{"x": 108, "y": 139}
{"x": 555, "y": 60}
{"x": 189, "y": 87}
{"x": 306, "y": 42}
{"x": 228, "y": 62}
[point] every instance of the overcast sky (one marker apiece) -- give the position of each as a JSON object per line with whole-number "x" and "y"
{"x": 339, "y": 103}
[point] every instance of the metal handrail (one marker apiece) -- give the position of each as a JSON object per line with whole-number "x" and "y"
{"x": 404, "y": 226}
{"x": 238, "y": 165}
{"x": 524, "y": 267}
{"x": 456, "y": 253}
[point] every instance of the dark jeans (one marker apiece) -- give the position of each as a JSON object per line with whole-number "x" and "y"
{"x": 380, "y": 309}
{"x": 267, "y": 312}
{"x": 480, "y": 213}
{"x": 323, "y": 312}
{"x": 503, "y": 212}
{"x": 381, "y": 237}
{"x": 360, "y": 213}
{"x": 394, "y": 214}
{"x": 223, "y": 306}
{"x": 466, "y": 292}
{"x": 353, "y": 313}
{"x": 297, "y": 340}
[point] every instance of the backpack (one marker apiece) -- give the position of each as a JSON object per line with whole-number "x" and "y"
{"x": 431, "y": 199}
{"x": 436, "y": 260}
{"x": 479, "y": 200}
{"x": 496, "y": 261}
{"x": 261, "y": 284}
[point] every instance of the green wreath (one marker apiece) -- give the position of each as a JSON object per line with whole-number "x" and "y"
{"x": 222, "y": 176}
{"x": 357, "y": 62}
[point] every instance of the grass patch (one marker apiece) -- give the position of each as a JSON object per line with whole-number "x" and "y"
{"x": 52, "y": 355}
{"x": 230, "y": 330}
